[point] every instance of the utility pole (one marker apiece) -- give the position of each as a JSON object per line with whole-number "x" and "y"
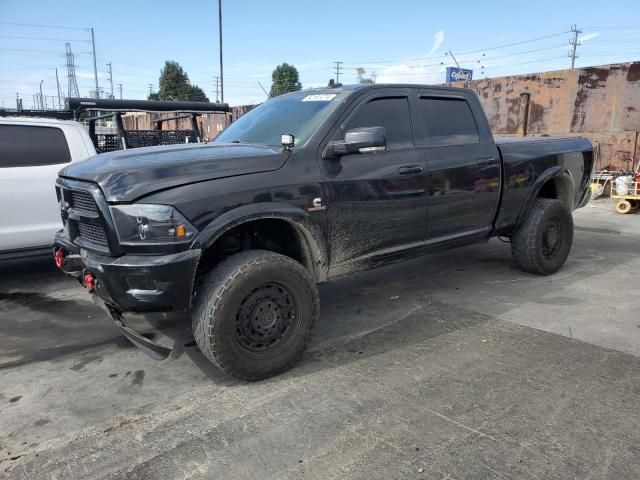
{"x": 120, "y": 90}
{"x": 217, "y": 80}
{"x": 95, "y": 66}
{"x": 220, "y": 37}
{"x": 265, "y": 92}
{"x": 338, "y": 71}
{"x": 59, "y": 93}
{"x": 574, "y": 45}
{"x": 41, "y": 99}
{"x": 150, "y": 85}
{"x": 110, "y": 72}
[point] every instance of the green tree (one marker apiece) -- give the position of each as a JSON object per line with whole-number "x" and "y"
{"x": 285, "y": 79}
{"x": 175, "y": 85}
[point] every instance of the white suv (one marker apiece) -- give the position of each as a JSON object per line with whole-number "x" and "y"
{"x": 32, "y": 151}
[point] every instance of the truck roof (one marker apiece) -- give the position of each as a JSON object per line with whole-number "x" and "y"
{"x": 40, "y": 120}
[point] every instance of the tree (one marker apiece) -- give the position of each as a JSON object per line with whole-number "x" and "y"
{"x": 175, "y": 85}
{"x": 285, "y": 79}
{"x": 365, "y": 80}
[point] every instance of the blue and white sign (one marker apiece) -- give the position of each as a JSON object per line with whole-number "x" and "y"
{"x": 455, "y": 74}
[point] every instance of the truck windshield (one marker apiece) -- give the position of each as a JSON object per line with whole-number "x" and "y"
{"x": 298, "y": 115}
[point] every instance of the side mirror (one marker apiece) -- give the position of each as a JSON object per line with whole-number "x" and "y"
{"x": 358, "y": 140}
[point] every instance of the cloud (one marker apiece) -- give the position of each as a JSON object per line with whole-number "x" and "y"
{"x": 407, "y": 74}
{"x": 89, "y": 75}
{"x": 438, "y": 38}
{"x": 588, "y": 36}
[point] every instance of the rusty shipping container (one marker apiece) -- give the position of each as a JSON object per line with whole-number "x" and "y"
{"x": 601, "y": 103}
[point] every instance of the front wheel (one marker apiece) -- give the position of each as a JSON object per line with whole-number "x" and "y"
{"x": 543, "y": 241}
{"x": 255, "y": 313}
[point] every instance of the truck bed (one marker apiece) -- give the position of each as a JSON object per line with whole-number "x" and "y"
{"x": 523, "y": 166}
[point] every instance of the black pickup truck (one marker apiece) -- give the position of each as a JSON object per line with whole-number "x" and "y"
{"x": 306, "y": 187}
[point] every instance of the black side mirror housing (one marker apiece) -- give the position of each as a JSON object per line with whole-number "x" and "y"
{"x": 358, "y": 140}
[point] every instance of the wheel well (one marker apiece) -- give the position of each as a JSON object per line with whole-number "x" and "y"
{"x": 556, "y": 188}
{"x": 273, "y": 234}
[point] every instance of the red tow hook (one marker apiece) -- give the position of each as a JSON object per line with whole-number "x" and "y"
{"x": 89, "y": 282}
{"x": 58, "y": 258}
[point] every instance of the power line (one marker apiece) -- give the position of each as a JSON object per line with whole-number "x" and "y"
{"x": 42, "y": 26}
{"x": 31, "y": 50}
{"x": 480, "y": 50}
{"x": 48, "y": 39}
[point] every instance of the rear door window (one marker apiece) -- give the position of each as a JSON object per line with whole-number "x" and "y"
{"x": 31, "y": 146}
{"x": 448, "y": 121}
{"x": 392, "y": 113}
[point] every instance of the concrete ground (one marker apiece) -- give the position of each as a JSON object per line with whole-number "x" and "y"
{"x": 451, "y": 366}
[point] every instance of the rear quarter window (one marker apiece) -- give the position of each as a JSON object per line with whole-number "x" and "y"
{"x": 32, "y": 146}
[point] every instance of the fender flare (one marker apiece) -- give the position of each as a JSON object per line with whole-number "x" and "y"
{"x": 311, "y": 235}
{"x": 567, "y": 192}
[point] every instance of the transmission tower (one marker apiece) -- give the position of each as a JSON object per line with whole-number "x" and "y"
{"x": 71, "y": 72}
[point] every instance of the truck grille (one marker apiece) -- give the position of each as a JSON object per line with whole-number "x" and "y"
{"x": 83, "y": 216}
{"x": 83, "y": 201}
{"x": 93, "y": 232}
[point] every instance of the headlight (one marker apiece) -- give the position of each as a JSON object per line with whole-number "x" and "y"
{"x": 146, "y": 223}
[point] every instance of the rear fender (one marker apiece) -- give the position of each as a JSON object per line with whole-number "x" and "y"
{"x": 564, "y": 188}
{"x": 309, "y": 231}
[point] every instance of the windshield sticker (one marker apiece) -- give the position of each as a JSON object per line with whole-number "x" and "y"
{"x": 319, "y": 97}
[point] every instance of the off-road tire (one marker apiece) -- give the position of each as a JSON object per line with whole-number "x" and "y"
{"x": 224, "y": 293}
{"x": 530, "y": 243}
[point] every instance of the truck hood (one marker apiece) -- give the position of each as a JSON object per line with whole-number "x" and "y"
{"x": 127, "y": 175}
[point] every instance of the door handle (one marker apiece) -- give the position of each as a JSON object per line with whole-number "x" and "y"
{"x": 486, "y": 161}
{"x": 411, "y": 169}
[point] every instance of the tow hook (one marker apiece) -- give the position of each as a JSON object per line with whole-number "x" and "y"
{"x": 89, "y": 282}
{"x": 58, "y": 258}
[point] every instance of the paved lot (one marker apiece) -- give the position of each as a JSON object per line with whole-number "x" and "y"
{"x": 452, "y": 366}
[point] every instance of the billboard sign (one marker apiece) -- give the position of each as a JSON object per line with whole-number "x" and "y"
{"x": 455, "y": 74}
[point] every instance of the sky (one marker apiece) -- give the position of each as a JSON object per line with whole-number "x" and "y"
{"x": 397, "y": 42}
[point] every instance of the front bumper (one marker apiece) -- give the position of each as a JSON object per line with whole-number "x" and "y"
{"x": 134, "y": 283}
{"x": 154, "y": 350}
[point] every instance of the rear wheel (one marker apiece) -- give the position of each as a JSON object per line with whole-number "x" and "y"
{"x": 542, "y": 243}
{"x": 255, "y": 314}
